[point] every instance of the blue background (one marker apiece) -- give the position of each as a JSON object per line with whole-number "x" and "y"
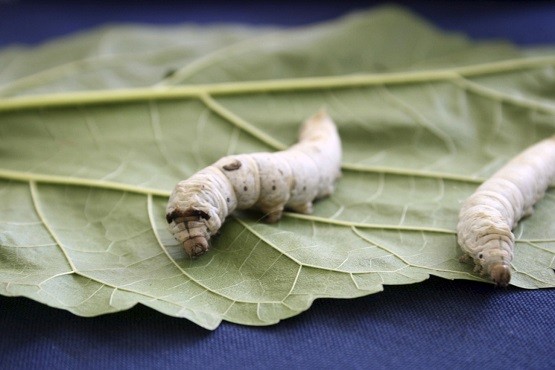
{"x": 434, "y": 324}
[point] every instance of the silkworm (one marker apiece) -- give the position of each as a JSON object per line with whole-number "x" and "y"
{"x": 270, "y": 182}
{"x": 488, "y": 216}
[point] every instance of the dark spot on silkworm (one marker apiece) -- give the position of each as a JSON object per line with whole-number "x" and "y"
{"x": 480, "y": 256}
{"x": 227, "y": 199}
{"x": 280, "y": 171}
{"x": 232, "y": 166}
{"x": 176, "y": 213}
{"x": 201, "y": 214}
{"x": 273, "y": 187}
{"x": 304, "y": 188}
{"x": 169, "y": 217}
{"x": 245, "y": 188}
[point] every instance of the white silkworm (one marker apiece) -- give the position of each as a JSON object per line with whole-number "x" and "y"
{"x": 270, "y": 182}
{"x": 488, "y": 216}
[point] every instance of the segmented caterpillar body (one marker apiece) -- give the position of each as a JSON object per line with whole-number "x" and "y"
{"x": 488, "y": 216}
{"x": 270, "y": 182}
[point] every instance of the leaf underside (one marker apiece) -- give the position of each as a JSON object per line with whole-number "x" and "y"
{"x": 97, "y": 129}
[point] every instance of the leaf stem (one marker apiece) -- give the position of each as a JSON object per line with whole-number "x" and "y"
{"x": 266, "y": 86}
{"x": 241, "y": 123}
{"x": 409, "y": 172}
{"x": 367, "y": 225}
{"x": 74, "y": 181}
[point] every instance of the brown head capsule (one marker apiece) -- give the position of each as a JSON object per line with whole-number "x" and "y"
{"x": 501, "y": 275}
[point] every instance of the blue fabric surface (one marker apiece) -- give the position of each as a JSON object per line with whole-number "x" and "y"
{"x": 434, "y": 324}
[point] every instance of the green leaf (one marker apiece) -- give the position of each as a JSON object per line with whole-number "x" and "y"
{"x": 95, "y": 133}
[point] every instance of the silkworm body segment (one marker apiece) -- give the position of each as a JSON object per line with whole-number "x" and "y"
{"x": 488, "y": 216}
{"x": 269, "y": 182}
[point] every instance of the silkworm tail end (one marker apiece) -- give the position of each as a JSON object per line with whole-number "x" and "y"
{"x": 196, "y": 247}
{"x": 501, "y": 275}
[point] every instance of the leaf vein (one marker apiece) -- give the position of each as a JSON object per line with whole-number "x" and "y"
{"x": 293, "y": 84}
{"x": 49, "y": 229}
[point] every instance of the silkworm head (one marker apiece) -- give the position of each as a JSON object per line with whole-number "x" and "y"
{"x": 495, "y": 263}
{"x": 190, "y": 228}
{"x": 196, "y": 247}
{"x": 500, "y": 274}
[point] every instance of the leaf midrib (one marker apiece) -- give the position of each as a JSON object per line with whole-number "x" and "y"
{"x": 455, "y": 75}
